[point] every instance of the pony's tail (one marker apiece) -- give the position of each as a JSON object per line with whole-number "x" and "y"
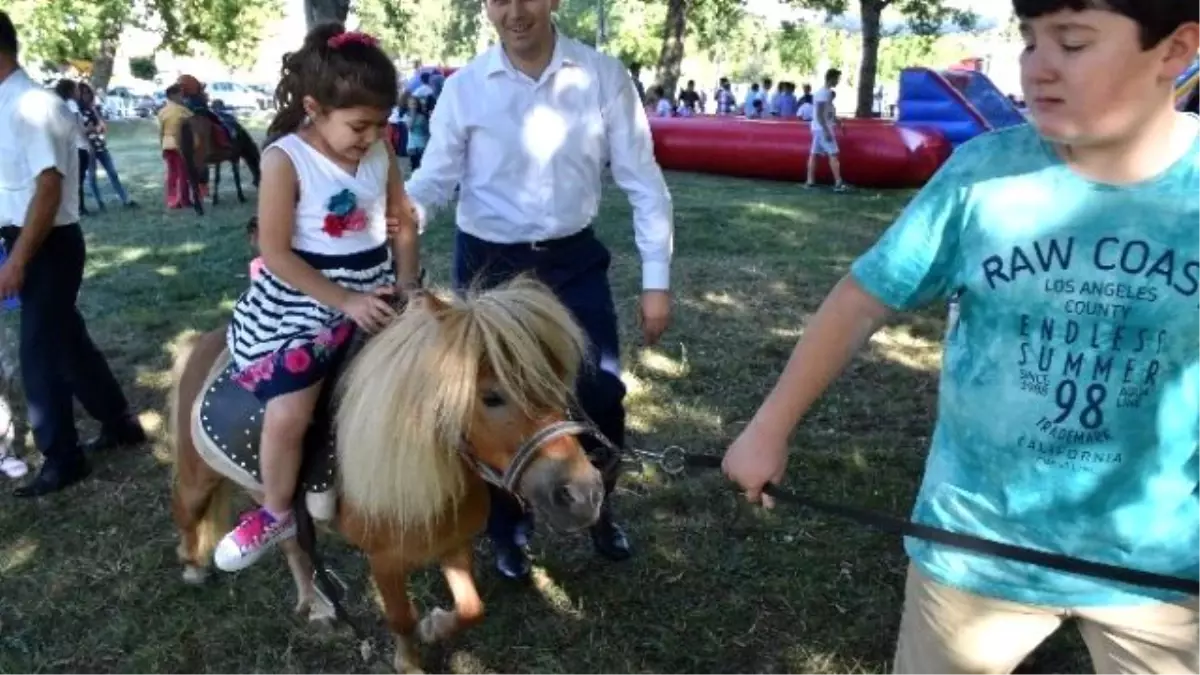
{"x": 201, "y": 498}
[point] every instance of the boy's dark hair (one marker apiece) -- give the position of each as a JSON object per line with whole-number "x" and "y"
{"x": 425, "y": 77}
{"x": 352, "y": 74}
{"x": 1156, "y": 19}
{"x": 8, "y": 36}
{"x": 832, "y": 74}
{"x": 66, "y": 89}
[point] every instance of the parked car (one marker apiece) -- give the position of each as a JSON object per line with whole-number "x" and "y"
{"x": 237, "y": 96}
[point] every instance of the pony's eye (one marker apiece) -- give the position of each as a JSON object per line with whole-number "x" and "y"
{"x": 493, "y": 400}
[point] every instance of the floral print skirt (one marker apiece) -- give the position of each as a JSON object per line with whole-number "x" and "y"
{"x": 283, "y": 341}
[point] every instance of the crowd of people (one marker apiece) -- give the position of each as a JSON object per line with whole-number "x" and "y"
{"x": 1030, "y": 447}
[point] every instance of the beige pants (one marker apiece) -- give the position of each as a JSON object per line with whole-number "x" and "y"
{"x": 944, "y": 630}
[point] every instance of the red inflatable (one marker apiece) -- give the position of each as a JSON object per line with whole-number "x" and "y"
{"x": 874, "y": 153}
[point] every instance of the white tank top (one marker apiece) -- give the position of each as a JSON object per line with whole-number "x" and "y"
{"x": 337, "y": 213}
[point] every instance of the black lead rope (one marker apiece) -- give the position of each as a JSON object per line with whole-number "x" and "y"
{"x": 969, "y": 542}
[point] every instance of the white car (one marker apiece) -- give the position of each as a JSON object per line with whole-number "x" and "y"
{"x": 236, "y": 96}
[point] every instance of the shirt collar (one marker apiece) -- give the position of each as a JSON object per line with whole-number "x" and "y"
{"x": 564, "y": 55}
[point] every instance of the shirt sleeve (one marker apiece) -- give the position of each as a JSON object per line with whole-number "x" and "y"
{"x": 634, "y": 169}
{"x": 917, "y": 259}
{"x": 432, "y": 186}
{"x": 47, "y": 125}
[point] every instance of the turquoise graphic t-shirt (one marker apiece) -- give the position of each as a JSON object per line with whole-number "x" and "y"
{"x": 1070, "y": 389}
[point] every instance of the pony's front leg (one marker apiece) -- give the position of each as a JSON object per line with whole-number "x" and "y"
{"x": 391, "y": 577}
{"x": 307, "y": 601}
{"x": 440, "y": 624}
{"x": 216, "y": 187}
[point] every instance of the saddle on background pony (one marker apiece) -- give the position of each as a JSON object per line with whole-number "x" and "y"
{"x": 227, "y": 425}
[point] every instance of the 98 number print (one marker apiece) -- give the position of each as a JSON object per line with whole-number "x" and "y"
{"x": 1067, "y": 398}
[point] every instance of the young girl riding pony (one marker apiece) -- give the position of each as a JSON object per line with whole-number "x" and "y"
{"x": 330, "y": 195}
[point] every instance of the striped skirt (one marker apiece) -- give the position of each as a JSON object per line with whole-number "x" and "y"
{"x": 283, "y": 341}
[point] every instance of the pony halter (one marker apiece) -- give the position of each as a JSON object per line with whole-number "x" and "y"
{"x": 509, "y": 479}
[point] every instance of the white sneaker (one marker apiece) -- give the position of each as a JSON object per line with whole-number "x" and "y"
{"x": 256, "y": 533}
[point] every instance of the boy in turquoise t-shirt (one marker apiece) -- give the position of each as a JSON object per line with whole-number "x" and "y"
{"x": 1070, "y": 391}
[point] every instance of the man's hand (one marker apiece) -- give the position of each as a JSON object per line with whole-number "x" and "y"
{"x": 12, "y": 277}
{"x": 656, "y": 315}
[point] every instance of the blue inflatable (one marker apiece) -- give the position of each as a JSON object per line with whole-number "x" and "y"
{"x": 961, "y": 104}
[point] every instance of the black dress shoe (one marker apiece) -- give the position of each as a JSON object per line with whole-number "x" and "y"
{"x": 54, "y": 478}
{"x": 130, "y": 432}
{"x": 511, "y": 561}
{"x": 609, "y": 539}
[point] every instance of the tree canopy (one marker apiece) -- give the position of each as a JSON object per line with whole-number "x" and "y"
{"x": 63, "y": 31}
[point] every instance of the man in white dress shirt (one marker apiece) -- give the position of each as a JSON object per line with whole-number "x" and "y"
{"x": 39, "y": 224}
{"x": 525, "y": 129}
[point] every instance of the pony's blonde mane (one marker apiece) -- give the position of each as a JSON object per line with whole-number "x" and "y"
{"x": 406, "y": 402}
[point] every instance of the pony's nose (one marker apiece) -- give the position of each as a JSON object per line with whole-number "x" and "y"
{"x": 569, "y": 495}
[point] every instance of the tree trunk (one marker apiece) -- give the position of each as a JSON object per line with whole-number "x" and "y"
{"x": 670, "y": 59}
{"x": 872, "y": 17}
{"x": 102, "y": 65}
{"x": 321, "y": 11}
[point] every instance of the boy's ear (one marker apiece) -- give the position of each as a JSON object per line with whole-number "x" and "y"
{"x": 1182, "y": 46}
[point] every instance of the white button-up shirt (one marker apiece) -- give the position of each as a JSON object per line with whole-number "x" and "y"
{"x": 529, "y": 154}
{"x": 37, "y": 132}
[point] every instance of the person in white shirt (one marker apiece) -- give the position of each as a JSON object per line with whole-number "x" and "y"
{"x": 823, "y": 140}
{"x": 39, "y": 224}
{"x": 526, "y": 128}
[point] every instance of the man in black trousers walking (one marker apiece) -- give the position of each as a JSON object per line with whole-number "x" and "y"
{"x": 39, "y": 226}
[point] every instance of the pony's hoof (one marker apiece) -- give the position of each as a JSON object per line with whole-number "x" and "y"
{"x": 194, "y": 575}
{"x": 321, "y": 616}
{"x": 322, "y": 625}
{"x": 437, "y": 625}
{"x": 406, "y": 664}
{"x": 302, "y": 607}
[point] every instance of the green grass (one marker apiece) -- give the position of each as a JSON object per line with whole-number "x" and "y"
{"x": 88, "y": 579}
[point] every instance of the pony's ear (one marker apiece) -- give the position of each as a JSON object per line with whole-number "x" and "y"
{"x": 424, "y": 300}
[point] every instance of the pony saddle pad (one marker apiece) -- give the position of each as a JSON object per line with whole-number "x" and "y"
{"x": 227, "y": 424}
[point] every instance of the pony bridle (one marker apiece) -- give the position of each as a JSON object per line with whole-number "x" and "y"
{"x": 509, "y": 480}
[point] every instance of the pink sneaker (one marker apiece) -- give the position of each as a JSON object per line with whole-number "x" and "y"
{"x": 256, "y": 533}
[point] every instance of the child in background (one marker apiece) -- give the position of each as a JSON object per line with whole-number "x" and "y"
{"x": 416, "y": 122}
{"x": 170, "y": 121}
{"x": 256, "y": 264}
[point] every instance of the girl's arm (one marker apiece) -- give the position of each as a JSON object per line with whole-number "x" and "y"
{"x": 276, "y": 220}
{"x": 402, "y": 228}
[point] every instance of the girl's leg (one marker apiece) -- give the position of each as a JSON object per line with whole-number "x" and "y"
{"x": 182, "y": 172}
{"x": 170, "y": 181}
{"x": 105, "y": 159}
{"x": 284, "y": 426}
{"x": 93, "y": 167}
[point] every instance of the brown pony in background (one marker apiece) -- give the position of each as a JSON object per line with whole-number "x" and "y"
{"x": 200, "y": 150}
{"x": 449, "y": 397}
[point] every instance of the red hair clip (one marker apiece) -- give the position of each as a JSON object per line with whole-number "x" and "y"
{"x": 352, "y": 38}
